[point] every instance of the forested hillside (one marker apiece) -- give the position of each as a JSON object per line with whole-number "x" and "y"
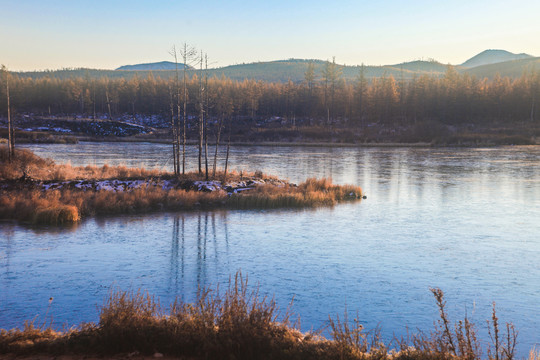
{"x": 328, "y": 95}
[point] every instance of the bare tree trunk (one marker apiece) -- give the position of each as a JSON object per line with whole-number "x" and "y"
{"x": 11, "y": 134}
{"x": 176, "y": 124}
{"x": 228, "y": 150}
{"x": 205, "y": 130}
{"x": 187, "y": 54}
{"x": 217, "y": 146}
{"x": 108, "y": 102}
{"x": 201, "y": 116}
{"x": 174, "y": 135}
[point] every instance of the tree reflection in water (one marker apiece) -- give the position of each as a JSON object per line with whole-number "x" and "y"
{"x": 197, "y": 249}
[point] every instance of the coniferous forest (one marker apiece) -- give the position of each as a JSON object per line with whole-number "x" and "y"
{"x": 378, "y": 109}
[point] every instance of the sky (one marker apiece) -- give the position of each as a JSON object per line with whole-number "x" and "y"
{"x": 56, "y": 34}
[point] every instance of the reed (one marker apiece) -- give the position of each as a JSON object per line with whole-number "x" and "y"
{"x": 239, "y": 324}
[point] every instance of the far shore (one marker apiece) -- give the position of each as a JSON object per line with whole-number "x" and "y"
{"x": 136, "y": 139}
{"x": 262, "y": 143}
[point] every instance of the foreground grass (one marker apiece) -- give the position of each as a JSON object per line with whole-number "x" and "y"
{"x": 22, "y": 202}
{"x": 240, "y": 324}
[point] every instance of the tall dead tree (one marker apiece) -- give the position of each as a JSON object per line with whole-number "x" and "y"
{"x": 218, "y": 135}
{"x": 228, "y": 150}
{"x": 175, "y": 121}
{"x": 187, "y": 52}
{"x": 201, "y": 114}
{"x": 173, "y": 128}
{"x": 11, "y": 133}
{"x": 206, "y": 105}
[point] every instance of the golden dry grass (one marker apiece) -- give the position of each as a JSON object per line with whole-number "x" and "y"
{"x": 62, "y": 206}
{"x": 311, "y": 193}
{"x": 239, "y": 324}
{"x": 60, "y": 215}
{"x": 29, "y": 164}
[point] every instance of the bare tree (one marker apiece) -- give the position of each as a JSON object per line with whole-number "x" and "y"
{"x": 175, "y": 121}
{"x": 218, "y": 135}
{"x": 188, "y": 53}
{"x": 206, "y": 105}
{"x": 228, "y": 149}
{"x": 11, "y": 133}
{"x": 173, "y": 129}
{"x": 201, "y": 114}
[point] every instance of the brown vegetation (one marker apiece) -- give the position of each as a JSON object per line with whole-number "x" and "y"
{"x": 241, "y": 324}
{"x": 30, "y": 204}
{"x": 312, "y": 192}
{"x": 441, "y": 109}
{"x": 27, "y": 164}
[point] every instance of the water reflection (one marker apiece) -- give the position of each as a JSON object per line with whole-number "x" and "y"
{"x": 5, "y": 253}
{"x": 465, "y": 220}
{"x": 208, "y": 254}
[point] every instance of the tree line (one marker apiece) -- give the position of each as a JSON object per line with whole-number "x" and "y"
{"x": 324, "y": 98}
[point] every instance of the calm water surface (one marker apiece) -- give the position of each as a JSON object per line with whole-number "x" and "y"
{"x": 464, "y": 220}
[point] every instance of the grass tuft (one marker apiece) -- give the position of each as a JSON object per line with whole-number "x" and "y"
{"x": 58, "y": 215}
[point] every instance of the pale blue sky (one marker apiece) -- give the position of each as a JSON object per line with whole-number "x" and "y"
{"x": 107, "y": 34}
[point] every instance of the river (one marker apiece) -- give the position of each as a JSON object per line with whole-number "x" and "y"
{"x": 464, "y": 220}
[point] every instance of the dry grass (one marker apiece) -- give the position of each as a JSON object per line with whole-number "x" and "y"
{"x": 33, "y": 166}
{"x": 311, "y": 193}
{"x": 534, "y": 355}
{"x": 62, "y": 206}
{"x": 240, "y": 324}
{"x": 59, "y": 215}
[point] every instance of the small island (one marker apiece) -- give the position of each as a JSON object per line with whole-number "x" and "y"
{"x": 39, "y": 191}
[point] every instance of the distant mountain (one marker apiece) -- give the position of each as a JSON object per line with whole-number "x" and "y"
{"x": 512, "y": 69}
{"x": 272, "y": 71}
{"x": 294, "y": 70}
{"x": 163, "y": 65}
{"x": 492, "y": 62}
{"x": 488, "y": 57}
{"x": 420, "y": 66}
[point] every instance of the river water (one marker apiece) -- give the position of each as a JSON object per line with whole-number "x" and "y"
{"x": 464, "y": 220}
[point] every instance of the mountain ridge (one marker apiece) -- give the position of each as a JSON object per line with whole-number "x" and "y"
{"x": 493, "y": 56}
{"x": 160, "y": 65}
{"x": 294, "y": 69}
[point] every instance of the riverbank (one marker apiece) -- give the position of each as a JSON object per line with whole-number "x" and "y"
{"x": 242, "y": 324}
{"x": 38, "y": 191}
{"x": 31, "y": 128}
